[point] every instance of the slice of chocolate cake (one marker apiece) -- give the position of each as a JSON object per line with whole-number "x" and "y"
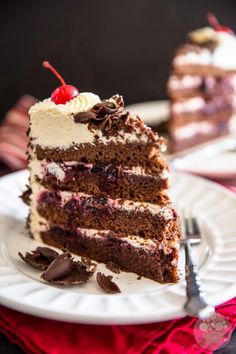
{"x": 98, "y": 183}
{"x": 202, "y": 87}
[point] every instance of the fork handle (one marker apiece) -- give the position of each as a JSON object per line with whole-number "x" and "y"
{"x": 196, "y": 304}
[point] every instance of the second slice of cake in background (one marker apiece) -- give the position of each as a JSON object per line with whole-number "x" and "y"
{"x": 98, "y": 186}
{"x": 202, "y": 87}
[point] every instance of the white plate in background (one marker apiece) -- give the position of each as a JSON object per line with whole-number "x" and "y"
{"x": 152, "y": 112}
{"x": 141, "y": 301}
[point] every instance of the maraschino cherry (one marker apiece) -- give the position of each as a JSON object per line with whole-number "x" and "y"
{"x": 63, "y": 93}
{"x": 216, "y": 26}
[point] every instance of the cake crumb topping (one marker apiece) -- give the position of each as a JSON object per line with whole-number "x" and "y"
{"x": 109, "y": 117}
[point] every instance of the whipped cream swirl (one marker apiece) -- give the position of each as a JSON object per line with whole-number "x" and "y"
{"x": 83, "y": 102}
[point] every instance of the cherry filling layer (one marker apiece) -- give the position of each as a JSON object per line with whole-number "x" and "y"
{"x": 101, "y": 213}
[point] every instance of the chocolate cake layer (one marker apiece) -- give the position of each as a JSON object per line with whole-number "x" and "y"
{"x": 155, "y": 264}
{"x": 101, "y": 213}
{"x": 105, "y": 180}
{"x": 130, "y": 154}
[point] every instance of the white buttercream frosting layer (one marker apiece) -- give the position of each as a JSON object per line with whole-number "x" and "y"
{"x": 53, "y": 126}
{"x": 188, "y": 105}
{"x": 201, "y": 58}
{"x": 184, "y": 82}
{"x": 81, "y": 103}
{"x": 223, "y": 56}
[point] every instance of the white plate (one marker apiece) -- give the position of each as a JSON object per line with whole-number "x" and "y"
{"x": 141, "y": 301}
{"x": 214, "y": 159}
{"x": 152, "y": 112}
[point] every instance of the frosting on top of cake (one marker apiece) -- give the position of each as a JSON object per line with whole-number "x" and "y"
{"x": 224, "y": 55}
{"x": 209, "y": 47}
{"x": 81, "y": 103}
{"x": 86, "y": 119}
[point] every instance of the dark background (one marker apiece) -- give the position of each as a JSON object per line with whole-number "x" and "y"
{"x": 101, "y": 46}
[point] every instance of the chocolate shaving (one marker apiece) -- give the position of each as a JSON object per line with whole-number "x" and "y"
{"x": 25, "y": 196}
{"x": 109, "y": 117}
{"x": 39, "y": 258}
{"x": 84, "y": 117}
{"x": 106, "y": 283}
{"x": 65, "y": 271}
{"x": 113, "y": 267}
{"x": 102, "y": 114}
{"x": 103, "y": 108}
{"x": 48, "y": 253}
{"x": 59, "y": 268}
{"x": 91, "y": 266}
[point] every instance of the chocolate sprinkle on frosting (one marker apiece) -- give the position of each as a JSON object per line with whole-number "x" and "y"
{"x": 109, "y": 117}
{"x": 39, "y": 258}
{"x": 102, "y": 115}
{"x": 106, "y": 283}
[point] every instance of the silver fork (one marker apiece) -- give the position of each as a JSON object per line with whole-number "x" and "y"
{"x": 196, "y": 304}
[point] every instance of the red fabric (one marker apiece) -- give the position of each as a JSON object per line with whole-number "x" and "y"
{"x": 13, "y": 140}
{"x": 40, "y": 336}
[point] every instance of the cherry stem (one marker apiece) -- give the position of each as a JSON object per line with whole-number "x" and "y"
{"x": 213, "y": 22}
{"x": 47, "y": 65}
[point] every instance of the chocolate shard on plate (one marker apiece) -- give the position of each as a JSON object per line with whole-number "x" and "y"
{"x": 106, "y": 283}
{"x": 113, "y": 267}
{"x": 59, "y": 268}
{"x": 47, "y": 252}
{"x": 82, "y": 273}
{"x": 91, "y": 266}
{"x": 65, "y": 271}
{"x": 39, "y": 258}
